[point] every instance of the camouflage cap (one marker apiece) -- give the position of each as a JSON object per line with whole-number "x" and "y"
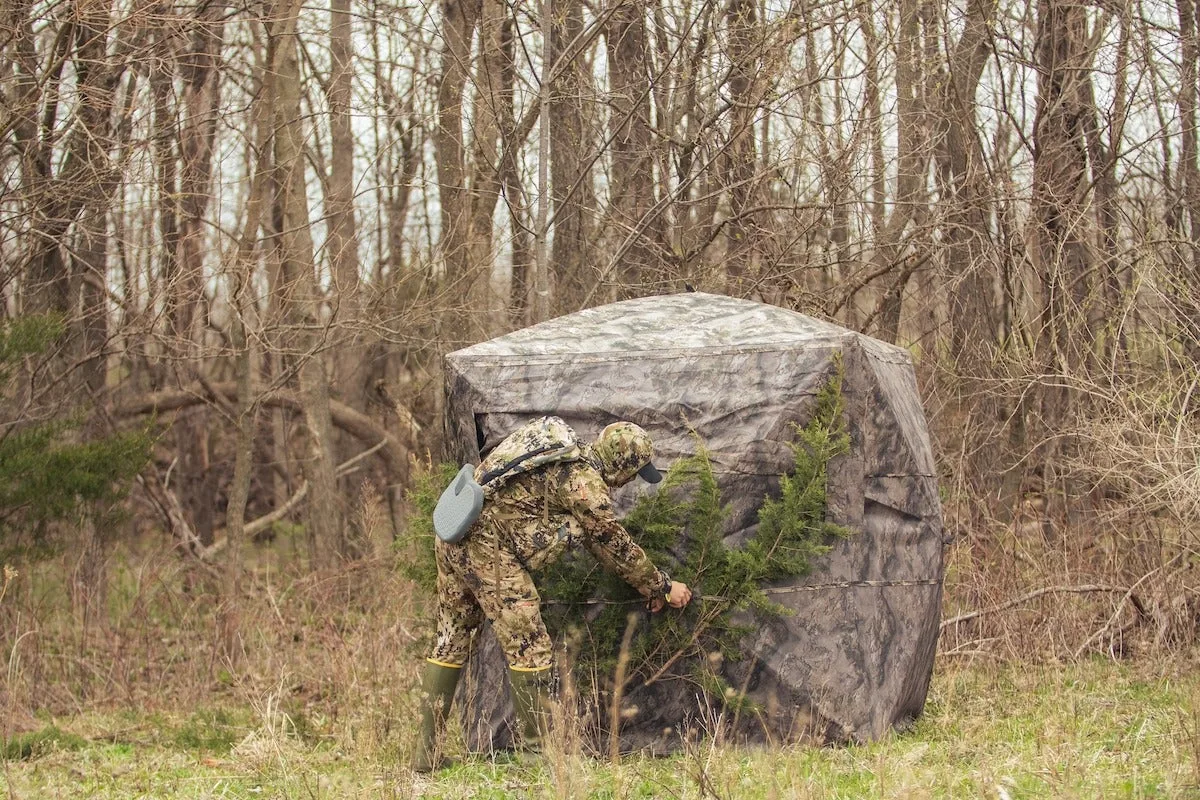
{"x": 624, "y": 450}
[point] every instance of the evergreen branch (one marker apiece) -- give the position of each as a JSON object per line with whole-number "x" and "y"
{"x": 681, "y": 528}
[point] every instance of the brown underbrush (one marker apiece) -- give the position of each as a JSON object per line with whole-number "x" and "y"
{"x": 1099, "y": 587}
{"x": 345, "y": 642}
{"x": 330, "y": 657}
{"x": 312, "y": 647}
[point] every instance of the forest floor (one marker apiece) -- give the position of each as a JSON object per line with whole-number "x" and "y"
{"x": 320, "y": 699}
{"x": 1091, "y": 729}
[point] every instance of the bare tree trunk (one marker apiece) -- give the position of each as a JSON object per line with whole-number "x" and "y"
{"x": 570, "y": 162}
{"x": 489, "y": 148}
{"x": 196, "y": 479}
{"x": 1188, "y": 280}
{"x": 89, "y": 273}
{"x": 635, "y": 235}
{"x": 695, "y": 207}
{"x": 269, "y": 311}
{"x": 230, "y": 627}
{"x": 1058, "y": 220}
{"x": 81, "y": 196}
{"x": 963, "y": 181}
{"x": 348, "y": 368}
{"x": 838, "y": 263}
{"x": 459, "y": 19}
{"x": 523, "y": 256}
{"x": 188, "y": 429}
{"x": 969, "y": 263}
{"x": 741, "y": 152}
{"x": 1103, "y": 311}
{"x": 298, "y": 296}
{"x": 240, "y": 275}
{"x": 398, "y": 205}
{"x": 874, "y": 116}
{"x": 197, "y": 134}
{"x": 396, "y": 276}
{"x": 58, "y": 200}
{"x": 166, "y": 159}
{"x": 910, "y": 170}
{"x": 470, "y": 191}
{"x": 24, "y": 100}
{"x": 90, "y": 265}
{"x": 46, "y": 288}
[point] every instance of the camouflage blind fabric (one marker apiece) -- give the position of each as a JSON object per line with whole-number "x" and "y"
{"x": 855, "y": 656}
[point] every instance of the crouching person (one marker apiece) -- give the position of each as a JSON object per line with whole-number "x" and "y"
{"x": 528, "y": 524}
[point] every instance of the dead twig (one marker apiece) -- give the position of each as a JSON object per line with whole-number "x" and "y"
{"x": 1129, "y": 596}
{"x": 614, "y": 721}
{"x": 254, "y": 527}
{"x": 1086, "y": 588}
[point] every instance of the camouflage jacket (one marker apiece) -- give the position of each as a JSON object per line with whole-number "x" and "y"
{"x": 542, "y": 514}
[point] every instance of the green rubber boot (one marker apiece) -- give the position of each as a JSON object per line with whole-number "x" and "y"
{"x": 437, "y": 688}
{"x": 531, "y": 693}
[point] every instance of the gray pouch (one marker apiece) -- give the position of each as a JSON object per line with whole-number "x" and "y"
{"x": 458, "y": 507}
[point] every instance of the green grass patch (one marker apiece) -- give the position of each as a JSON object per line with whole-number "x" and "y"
{"x": 1088, "y": 730}
{"x": 211, "y": 730}
{"x": 38, "y": 743}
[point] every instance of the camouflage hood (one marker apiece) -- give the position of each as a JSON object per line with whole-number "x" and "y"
{"x": 623, "y": 451}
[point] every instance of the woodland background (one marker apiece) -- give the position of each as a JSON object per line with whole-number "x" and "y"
{"x": 248, "y": 231}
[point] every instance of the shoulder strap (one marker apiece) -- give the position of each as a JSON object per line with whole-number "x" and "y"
{"x": 504, "y": 469}
{"x": 546, "y": 440}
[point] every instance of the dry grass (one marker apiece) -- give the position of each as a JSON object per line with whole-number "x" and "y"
{"x": 1077, "y": 520}
{"x": 1106, "y": 588}
{"x": 1093, "y": 729}
{"x": 319, "y": 701}
{"x": 312, "y": 644}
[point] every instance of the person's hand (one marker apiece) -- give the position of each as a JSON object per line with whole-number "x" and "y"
{"x": 680, "y": 595}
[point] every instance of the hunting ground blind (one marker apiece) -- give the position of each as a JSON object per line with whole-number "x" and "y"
{"x": 852, "y": 653}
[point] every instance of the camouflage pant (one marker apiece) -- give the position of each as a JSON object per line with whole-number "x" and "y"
{"x": 478, "y": 578}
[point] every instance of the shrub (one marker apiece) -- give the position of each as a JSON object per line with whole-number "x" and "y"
{"x": 681, "y": 527}
{"x": 49, "y": 470}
